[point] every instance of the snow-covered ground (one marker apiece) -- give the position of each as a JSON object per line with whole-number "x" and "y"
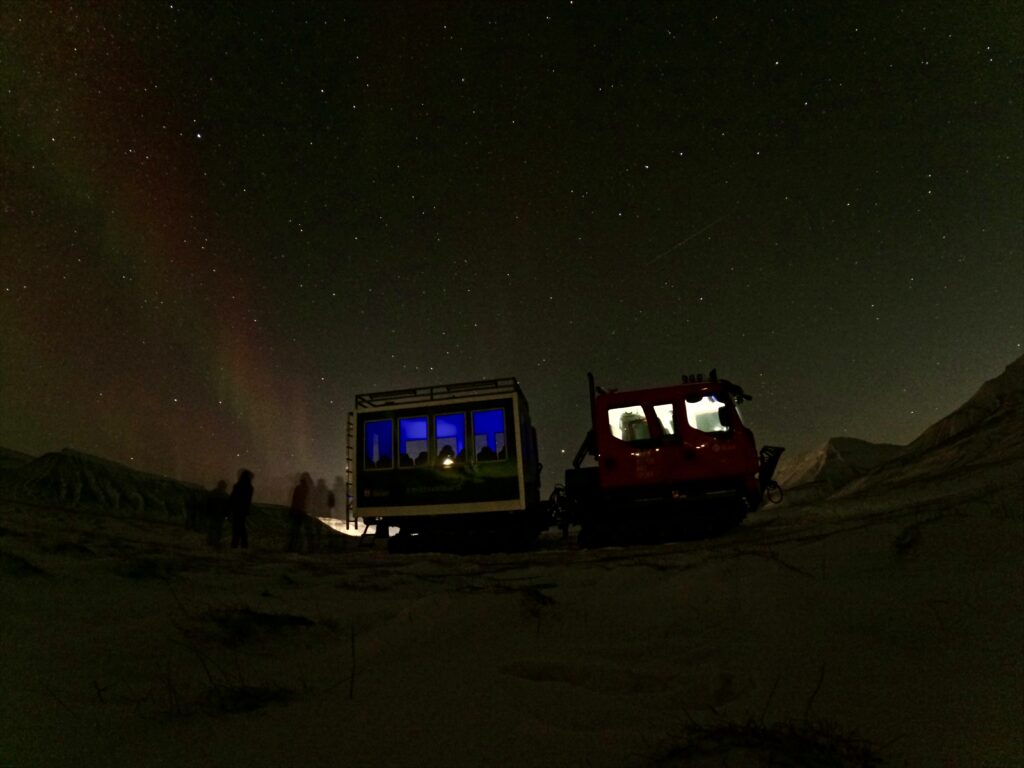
{"x": 856, "y": 629}
{"x": 872, "y": 619}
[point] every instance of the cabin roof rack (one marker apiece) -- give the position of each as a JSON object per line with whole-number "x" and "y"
{"x": 439, "y": 392}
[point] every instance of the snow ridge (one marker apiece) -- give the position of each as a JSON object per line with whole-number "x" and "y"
{"x": 986, "y": 431}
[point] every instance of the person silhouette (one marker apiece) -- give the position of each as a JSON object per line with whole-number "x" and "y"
{"x": 299, "y": 511}
{"x": 239, "y": 505}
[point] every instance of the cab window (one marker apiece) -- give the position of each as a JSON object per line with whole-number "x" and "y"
{"x": 629, "y": 424}
{"x": 705, "y": 414}
{"x": 665, "y": 413}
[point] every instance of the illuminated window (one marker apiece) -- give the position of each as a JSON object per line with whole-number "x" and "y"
{"x": 704, "y": 414}
{"x": 377, "y": 453}
{"x": 666, "y": 415}
{"x": 629, "y": 423}
{"x": 489, "y": 434}
{"x": 412, "y": 441}
{"x": 450, "y": 437}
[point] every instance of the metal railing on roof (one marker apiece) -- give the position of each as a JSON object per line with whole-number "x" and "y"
{"x": 438, "y": 392}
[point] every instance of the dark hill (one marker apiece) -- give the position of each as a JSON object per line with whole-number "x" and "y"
{"x": 78, "y": 480}
{"x": 13, "y": 459}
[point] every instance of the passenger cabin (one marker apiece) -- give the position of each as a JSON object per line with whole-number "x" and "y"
{"x": 456, "y": 452}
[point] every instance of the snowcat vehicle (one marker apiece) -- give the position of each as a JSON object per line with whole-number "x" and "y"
{"x": 446, "y": 459}
{"x": 677, "y": 456}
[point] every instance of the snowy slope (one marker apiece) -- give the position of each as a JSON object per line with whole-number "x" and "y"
{"x": 993, "y": 401}
{"x": 986, "y": 431}
{"x": 828, "y": 638}
{"x": 969, "y": 447}
{"x": 835, "y": 463}
{"x": 970, "y": 460}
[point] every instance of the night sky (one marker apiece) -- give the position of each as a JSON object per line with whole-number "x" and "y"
{"x": 223, "y": 220}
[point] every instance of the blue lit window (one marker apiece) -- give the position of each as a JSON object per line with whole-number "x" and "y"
{"x": 377, "y": 453}
{"x": 450, "y": 437}
{"x": 489, "y": 434}
{"x": 412, "y": 441}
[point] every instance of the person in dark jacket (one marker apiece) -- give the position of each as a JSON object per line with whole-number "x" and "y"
{"x": 299, "y": 512}
{"x": 239, "y": 505}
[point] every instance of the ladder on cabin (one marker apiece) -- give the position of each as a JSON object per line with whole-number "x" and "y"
{"x": 350, "y": 448}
